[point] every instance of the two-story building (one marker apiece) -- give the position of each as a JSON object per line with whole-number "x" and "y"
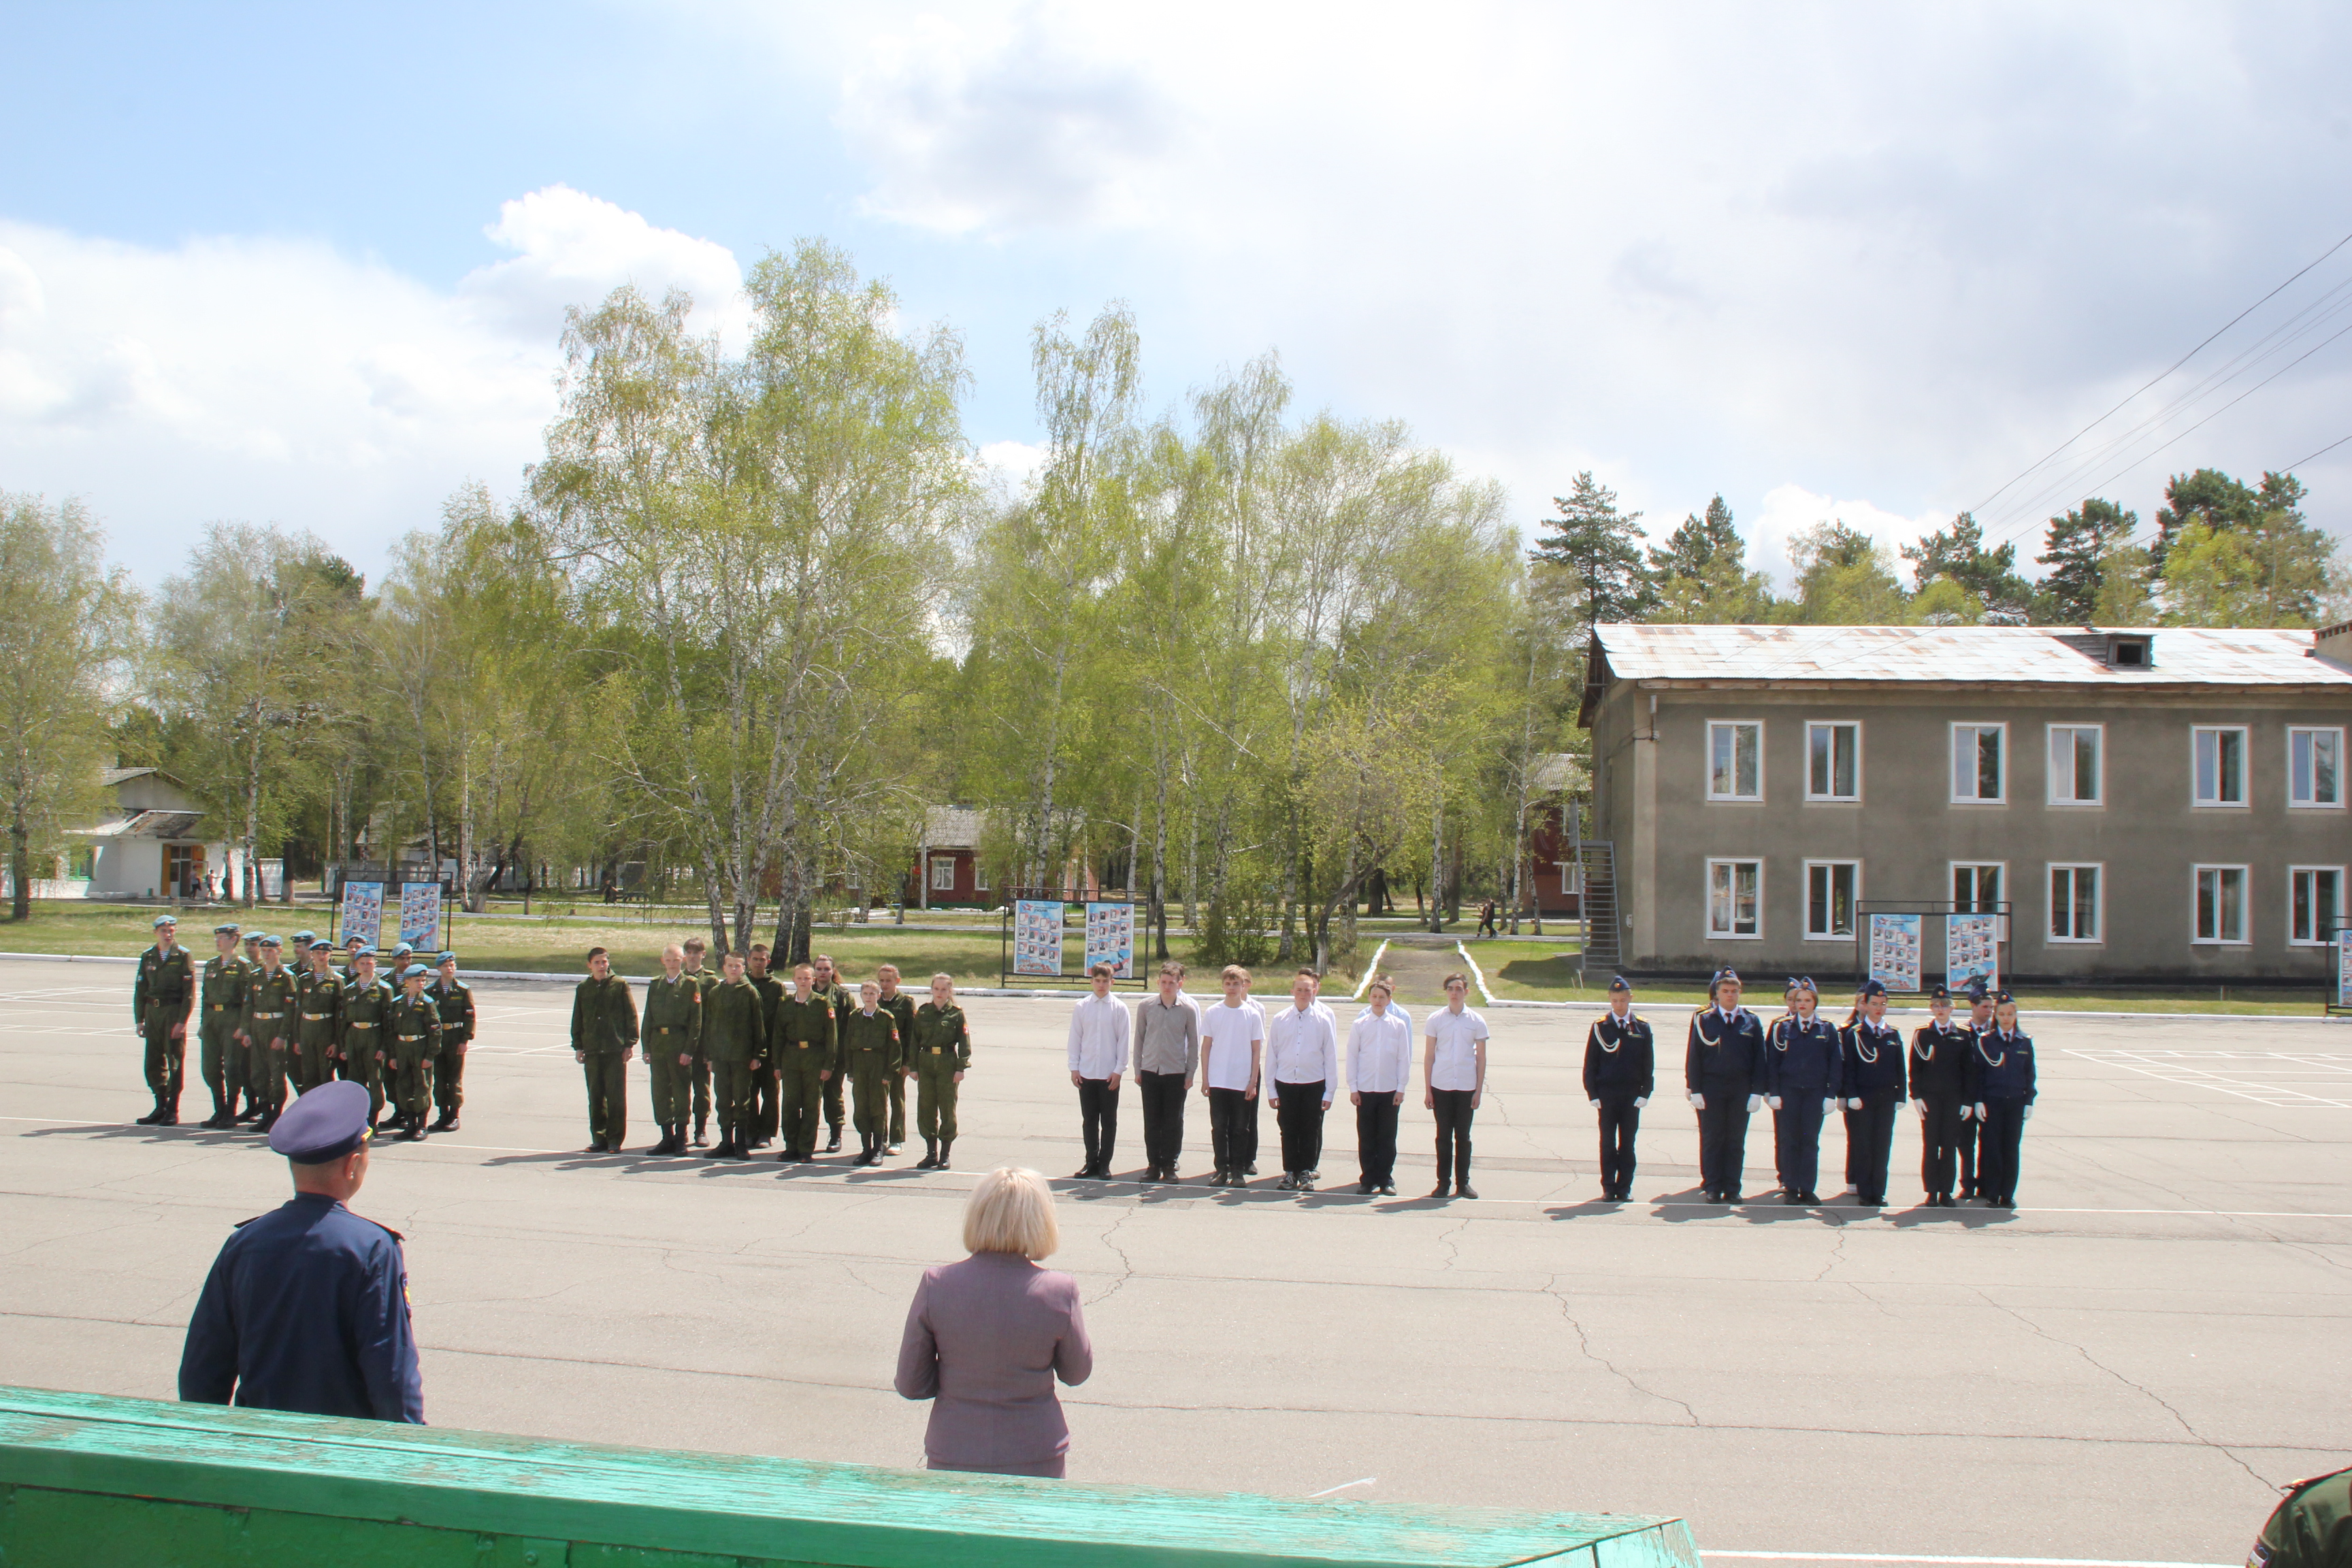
{"x": 2159, "y": 805}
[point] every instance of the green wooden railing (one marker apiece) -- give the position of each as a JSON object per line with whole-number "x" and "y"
{"x": 86, "y": 1479}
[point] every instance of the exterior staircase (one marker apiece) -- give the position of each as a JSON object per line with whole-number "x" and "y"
{"x": 1603, "y": 922}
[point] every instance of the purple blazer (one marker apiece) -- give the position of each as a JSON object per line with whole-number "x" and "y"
{"x": 985, "y": 1338}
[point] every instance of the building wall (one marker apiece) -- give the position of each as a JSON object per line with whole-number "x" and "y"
{"x": 1907, "y": 831}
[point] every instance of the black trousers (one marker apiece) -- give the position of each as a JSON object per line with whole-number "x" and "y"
{"x": 1800, "y": 1122}
{"x": 1163, "y": 1117}
{"x": 1376, "y": 1131}
{"x": 1300, "y": 1117}
{"x": 1971, "y": 1167}
{"x": 1997, "y": 1141}
{"x": 1454, "y": 1113}
{"x": 1722, "y": 1137}
{"x": 1098, "y": 1115}
{"x": 1940, "y": 1145}
{"x": 1870, "y": 1144}
{"x": 1621, "y": 1121}
{"x": 1233, "y": 1130}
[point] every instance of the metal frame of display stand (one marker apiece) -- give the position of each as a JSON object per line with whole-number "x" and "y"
{"x": 1007, "y": 979}
{"x": 1941, "y": 908}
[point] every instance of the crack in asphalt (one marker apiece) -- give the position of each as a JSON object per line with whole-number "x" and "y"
{"x": 1837, "y": 1248}
{"x": 1126, "y": 1264}
{"x": 1584, "y": 1346}
{"x": 1446, "y": 1239}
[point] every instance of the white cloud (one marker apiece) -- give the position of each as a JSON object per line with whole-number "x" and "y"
{"x": 1790, "y": 510}
{"x": 1010, "y": 465}
{"x": 573, "y": 248}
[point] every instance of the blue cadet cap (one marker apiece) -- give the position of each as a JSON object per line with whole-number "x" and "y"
{"x": 226, "y": 928}
{"x": 1872, "y": 988}
{"x": 416, "y": 971}
{"x": 1940, "y": 994}
{"x": 355, "y": 940}
{"x": 305, "y": 937}
{"x": 1976, "y": 989}
{"x": 1723, "y": 975}
{"x": 1619, "y": 982}
{"x": 1804, "y": 982}
{"x": 162, "y": 920}
{"x": 446, "y": 958}
{"x": 2004, "y": 996}
{"x": 326, "y": 1123}
{"x": 320, "y": 944}
{"x": 267, "y": 940}
{"x": 405, "y": 947}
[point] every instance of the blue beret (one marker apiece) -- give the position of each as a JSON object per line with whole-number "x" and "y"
{"x": 320, "y": 944}
{"x": 1619, "y": 982}
{"x": 267, "y": 940}
{"x": 162, "y": 920}
{"x": 1872, "y": 988}
{"x": 326, "y": 1123}
{"x": 305, "y": 937}
{"x": 416, "y": 971}
{"x": 355, "y": 940}
{"x": 446, "y": 958}
{"x": 227, "y": 929}
{"x": 403, "y": 947}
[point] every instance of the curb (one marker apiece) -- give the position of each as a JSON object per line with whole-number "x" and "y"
{"x": 1370, "y": 970}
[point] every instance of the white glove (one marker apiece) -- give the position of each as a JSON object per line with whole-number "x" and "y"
{"x": 1921, "y": 1106}
{"x": 1966, "y": 1112}
{"x": 1981, "y": 1111}
{"x": 1596, "y": 1105}
{"x": 1771, "y": 1099}
{"x": 1755, "y": 1103}
{"x": 2027, "y": 1114}
{"x": 1640, "y": 1101}
{"x": 1828, "y": 1105}
{"x": 1698, "y": 1102}
{"x": 1854, "y": 1104}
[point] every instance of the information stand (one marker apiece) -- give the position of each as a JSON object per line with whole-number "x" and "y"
{"x": 1896, "y": 940}
{"x": 1034, "y": 933}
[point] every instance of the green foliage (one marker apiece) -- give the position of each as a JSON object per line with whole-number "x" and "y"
{"x": 1844, "y": 577}
{"x": 1588, "y": 560}
{"x": 2078, "y": 550}
{"x": 1959, "y": 553}
{"x": 1701, "y": 575}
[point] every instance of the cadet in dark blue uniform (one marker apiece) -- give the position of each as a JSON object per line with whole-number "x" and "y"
{"x": 2001, "y": 1070}
{"x": 1872, "y": 1049}
{"x": 1620, "y": 1070}
{"x": 1772, "y": 1033}
{"x": 1723, "y": 1068}
{"x": 1802, "y": 1077}
{"x": 1938, "y": 1066}
{"x": 306, "y": 1307}
{"x": 1978, "y": 1020}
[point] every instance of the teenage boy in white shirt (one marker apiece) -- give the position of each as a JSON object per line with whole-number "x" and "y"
{"x": 1232, "y": 1045}
{"x": 1453, "y": 1072}
{"x": 1302, "y": 1072}
{"x": 1380, "y": 1066}
{"x": 1099, "y": 1029}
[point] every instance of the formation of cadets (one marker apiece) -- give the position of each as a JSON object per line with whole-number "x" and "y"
{"x": 1971, "y": 1084}
{"x": 262, "y": 1027}
{"x": 769, "y": 1063}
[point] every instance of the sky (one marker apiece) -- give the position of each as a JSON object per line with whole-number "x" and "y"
{"x": 307, "y": 264}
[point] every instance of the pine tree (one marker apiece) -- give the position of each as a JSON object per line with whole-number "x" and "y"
{"x": 2077, "y": 551}
{"x": 1588, "y": 560}
{"x": 1959, "y": 553}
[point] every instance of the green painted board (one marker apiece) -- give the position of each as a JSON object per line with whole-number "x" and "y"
{"x": 219, "y": 1485}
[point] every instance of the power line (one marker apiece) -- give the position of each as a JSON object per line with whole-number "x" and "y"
{"x": 2321, "y": 453}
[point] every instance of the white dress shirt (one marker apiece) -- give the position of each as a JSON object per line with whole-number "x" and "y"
{"x": 1225, "y": 1035}
{"x": 1456, "y": 1034}
{"x": 1302, "y": 1046}
{"x": 1099, "y": 1027}
{"x": 1380, "y": 1052}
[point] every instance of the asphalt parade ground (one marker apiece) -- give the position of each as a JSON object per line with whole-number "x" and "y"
{"x": 2121, "y": 1370}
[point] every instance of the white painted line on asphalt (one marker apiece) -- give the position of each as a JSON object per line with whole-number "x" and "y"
{"x": 1343, "y": 1486}
{"x": 1985, "y": 1561}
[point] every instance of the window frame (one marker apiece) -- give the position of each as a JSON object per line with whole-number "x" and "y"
{"x": 1712, "y": 862}
{"x": 2245, "y": 905}
{"x": 2075, "y": 869}
{"x": 1834, "y": 725}
{"x": 2293, "y": 874}
{"x": 937, "y": 864}
{"x": 2291, "y": 731}
{"x": 2245, "y": 767}
{"x": 1707, "y": 762}
{"x": 2099, "y": 764}
{"x": 2001, "y": 894}
{"x": 979, "y": 874}
{"x": 1854, "y": 901}
{"x": 1951, "y": 771}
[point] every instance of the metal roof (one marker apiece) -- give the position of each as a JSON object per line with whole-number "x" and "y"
{"x": 2009, "y": 655}
{"x": 149, "y": 825}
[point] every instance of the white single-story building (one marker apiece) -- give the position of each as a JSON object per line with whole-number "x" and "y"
{"x": 154, "y": 848}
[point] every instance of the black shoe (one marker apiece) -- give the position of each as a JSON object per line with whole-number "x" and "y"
{"x": 1249, "y": 1170}
{"x": 268, "y": 1120}
{"x": 415, "y": 1134}
{"x": 835, "y": 1146}
{"x": 447, "y": 1121}
{"x": 1366, "y": 1189}
{"x": 1289, "y": 1183}
{"x": 945, "y": 1145}
{"x": 1388, "y": 1190}
{"x": 170, "y": 1119}
{"x": 1466, "y": 1191}
{"x": 1443, "y": 1191}
{"x": 453, "y": 1123}
{"x": 1792, "y": 1199}
{"x": 149, "y": 1120}
{"x": 1083, "y": 1173}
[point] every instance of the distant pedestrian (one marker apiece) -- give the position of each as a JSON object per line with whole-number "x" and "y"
{"x": 1098, "y": 1045}
{"x": 1380, "y": 1069}
{"x": 1302, "y": 1073}
{"x": 986, "y": 1338}
{"x": 1487, "y": 925}
{"x": 1620, "y": 1070}
{"x": 1453, "y": 1075}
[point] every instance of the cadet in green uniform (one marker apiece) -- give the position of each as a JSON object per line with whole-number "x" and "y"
{"x": 220, "y": 1023}
{"x": 455, "y": 998}
{"x": 367, "y": 1001}
{"x": 353, "y": 947}
{"x": 943, "y": 1053}
{"x": 732, "y": 1042}
{"x": 705, "y": 977}
{"x": 272, "y": 998}
{"x": 2311, "y": 1527}
{"x": 808, "y": 1057}
{"x": 870, "y": 1051}
{"x": 766, "y": 1111}
{"x": 672, "y": 1035}
{"x": 319, "y": 997}
{"x": 412, "y": 1038}
{"x": 829, "y": 986}
{"x": 901, "y": 1008}
{"x": 603, "y": 1038}
{"x": 160, "y": 995}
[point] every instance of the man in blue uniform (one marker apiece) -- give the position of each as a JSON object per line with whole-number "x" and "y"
{"x": 1723, "y": 1068}
{"x": 1873, "y": 1091}
{"x": 1620, "y": 1072}
{"x": 2000, "y": 1071}
{"x": 306, "y": 1307}
{"x": 1803, "y": 1075}
{"x": 1972, "y": 1130}
{"x": 1937, "y": 1068}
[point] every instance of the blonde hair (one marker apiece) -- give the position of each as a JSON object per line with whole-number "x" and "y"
{"x": 1011, "y": 1210}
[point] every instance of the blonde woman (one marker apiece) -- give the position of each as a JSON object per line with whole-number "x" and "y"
{"x": 986, "y": 1337}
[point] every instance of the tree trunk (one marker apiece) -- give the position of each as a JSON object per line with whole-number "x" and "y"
{"x": 20, "y": 860}
{"x": 1437, "y": 867}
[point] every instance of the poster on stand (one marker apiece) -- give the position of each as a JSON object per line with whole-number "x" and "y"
{"x": 1894, "y": 952}
{"x": 2344, "y": 967}
{"x": 1037, "y": 936}
{"x": 1111, "y": 939}
{"x": 1972, "y": 951}
{"x": 420, "y": 917}
{"x": 362, "y": 914}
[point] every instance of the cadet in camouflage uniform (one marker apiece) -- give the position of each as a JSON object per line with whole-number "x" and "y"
{"x": 672, "y": 1032}
{"x": 455, "y": 998}
{"x": 220, "y": 1023}
{"x": 603, "y": 1038}
{"x": 871, "y": 1050}
{"x": 942, "y": 1050}
{"x": 2311, "y": 1527}
{"x": 901, "y": 1008}
{"x": 829, "y": 986}
{"x": 319, "y": 997}
{"x": 272, "y": 999}
{"x": 732, "y": 1042}
{"x": 412, "y": 1038}
{"x": 766, "y": 1109}
{"x": 161, "y": 994}
{"x": 353, "y": 947}
{"x": 367, "y": 1001}
{"x": 808, "y": 1057}
{"x": 705, "y": 977}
